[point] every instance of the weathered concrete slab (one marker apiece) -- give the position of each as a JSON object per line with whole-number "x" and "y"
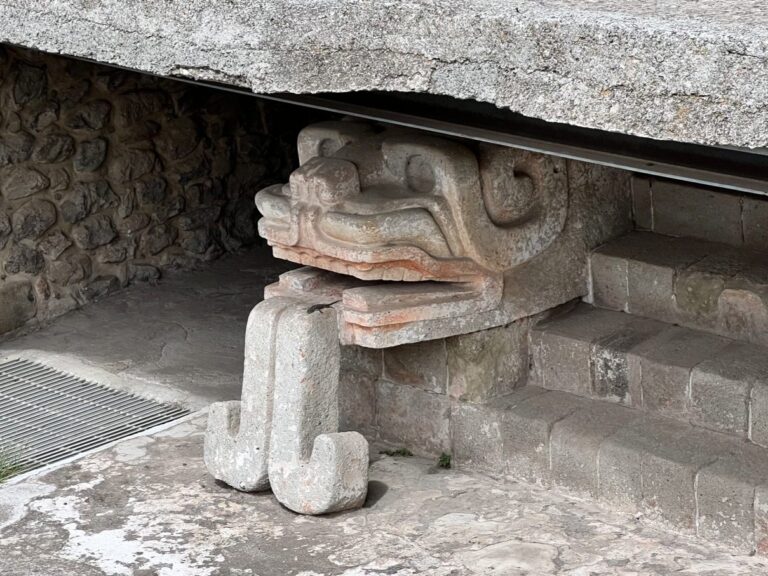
{"x": 179, "y": 341}
{"x": 148, "y": 506}
{"x": 686, "y": 71}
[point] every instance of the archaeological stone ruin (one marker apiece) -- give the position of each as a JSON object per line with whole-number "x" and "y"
{"x": 567, "y": 288}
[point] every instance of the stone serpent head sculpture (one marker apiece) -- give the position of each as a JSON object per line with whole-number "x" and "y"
{"x": 393, "y": 204}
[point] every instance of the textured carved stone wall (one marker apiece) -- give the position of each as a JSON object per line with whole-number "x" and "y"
{"x": 407, "y": 395}
{"x": 109, "y": 177}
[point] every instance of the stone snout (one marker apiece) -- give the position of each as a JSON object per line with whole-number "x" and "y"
{"x": 445, "y": 239}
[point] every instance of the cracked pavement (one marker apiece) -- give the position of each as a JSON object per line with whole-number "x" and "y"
{"x": 147, "y": 507}
{"x": 180, "y": 341}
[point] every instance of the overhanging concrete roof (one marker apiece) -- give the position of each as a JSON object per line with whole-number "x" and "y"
{"x": 684, "y": 70}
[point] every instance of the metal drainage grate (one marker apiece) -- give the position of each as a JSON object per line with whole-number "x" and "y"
{"x": 47, "y": 415}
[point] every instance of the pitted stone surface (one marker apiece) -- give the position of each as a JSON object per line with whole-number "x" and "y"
{"x": 148, "y": 506}
{"x": 425, "y": 237}
{"x": 677, "y": 70}
{"x": 284, "y": 433}
{"x": 693, "y": 376}
{"x": 703, "y": 285}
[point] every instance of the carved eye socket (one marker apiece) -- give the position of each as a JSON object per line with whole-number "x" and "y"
{"x": 419, "y": 175}
{"x": 509, "y": 194}
{"x": 327, "y": 147}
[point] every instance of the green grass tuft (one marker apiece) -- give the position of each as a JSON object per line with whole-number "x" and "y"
{"x": 399, "y": 452}
{"x": 444, "y": 461}
{"x": 9, "y": 464}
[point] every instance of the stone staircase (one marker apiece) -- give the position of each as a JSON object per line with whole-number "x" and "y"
{"x": 652, "y": 398}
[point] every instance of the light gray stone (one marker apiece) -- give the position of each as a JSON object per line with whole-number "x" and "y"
{"x": 759, "y": 413}
{"x": 610, "y": 277}
{"x": 562, "y": 348}
{"x": 660, "y": 367}
{"x": 313, "y": 468}
{"x": 422, "y": 364}
{"x": 360, "y": 368}
{"x": 684, "y": 210}
{"x": 238, "y": 434}
{"x": 473, "y": 239}
{"x": 726, "y": 498}
{"x": 527, "y": 427}
{"x": 703, "y": 285}
{"x": 761, "y": 520}
{"x": 417, "y": 520}
{"x": 17, "y": 304}
{"x": 478, "y": 431}
{"x": 490, "y": 363}
{"x": 654, "y": 464}
{"x": 477, "y": 441}
{"x": 690, "y": 74}
{"x": 413, "y": 418}
{"x": 575, "y": 443}
{"x": 611, "y": 377}
{"x": 722, "y": 387}
{"x": 284, "y": 432}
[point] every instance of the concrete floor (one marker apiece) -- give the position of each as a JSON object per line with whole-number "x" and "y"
{"x": 180, "y": 341}
{"x": 147, "y": 507}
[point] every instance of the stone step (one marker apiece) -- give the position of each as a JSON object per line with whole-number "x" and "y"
{"x": 693, "y": 480}
{"x": 704, "y": 285}
{"x": 698, "y": 378}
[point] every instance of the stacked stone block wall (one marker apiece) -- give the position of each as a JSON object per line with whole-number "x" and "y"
{"x": 680, "y": 209}
{"x": 109, "y": 177}
{"x": 406, "y": 395}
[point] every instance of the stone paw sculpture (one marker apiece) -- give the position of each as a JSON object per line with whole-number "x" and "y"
{"x": 284, "y": 434}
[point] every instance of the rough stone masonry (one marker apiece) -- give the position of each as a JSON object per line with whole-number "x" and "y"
{"x": 109, "y": 177}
